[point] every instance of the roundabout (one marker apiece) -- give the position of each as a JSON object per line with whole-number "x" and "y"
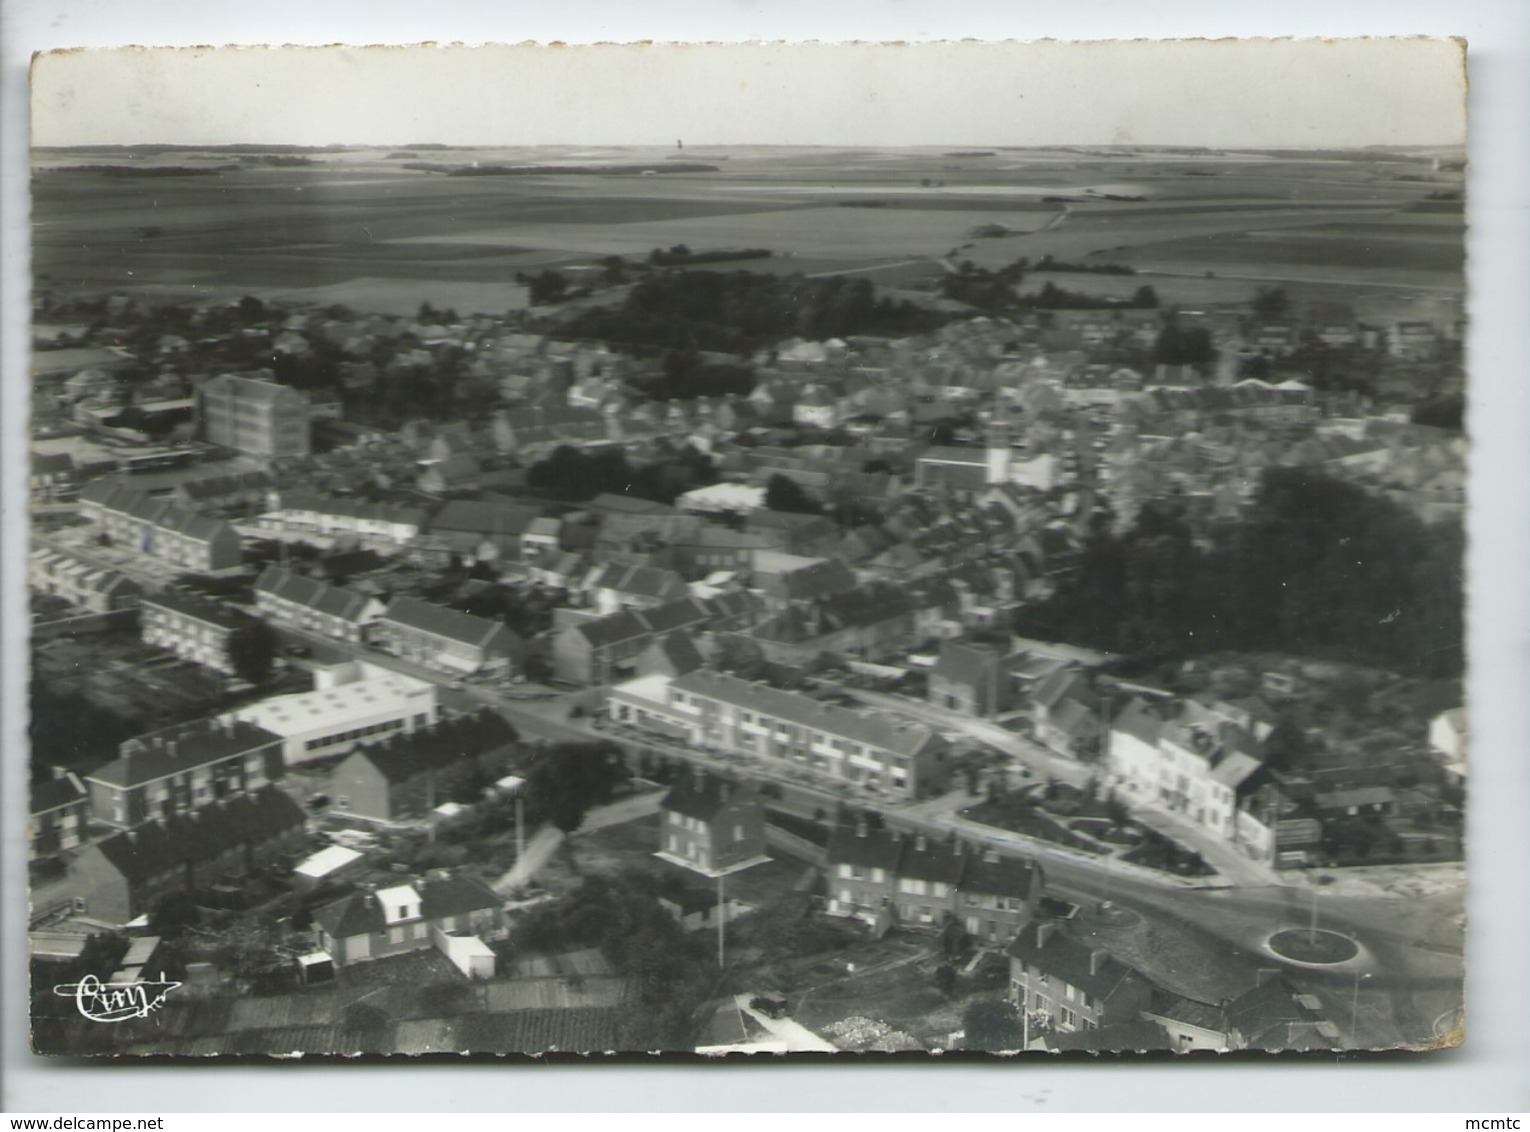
{"x": 1316, "y": 948}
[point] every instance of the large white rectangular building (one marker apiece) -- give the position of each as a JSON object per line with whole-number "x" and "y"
{"x": 352, "y": 704}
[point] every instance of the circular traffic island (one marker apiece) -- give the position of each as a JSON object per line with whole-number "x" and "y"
{"x": 1302, "y": 946}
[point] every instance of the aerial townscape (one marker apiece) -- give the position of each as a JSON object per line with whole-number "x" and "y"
{"x": 748, "y": 600}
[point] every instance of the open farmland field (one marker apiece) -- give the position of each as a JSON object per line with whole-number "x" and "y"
{"x": 357, "y": 226}
{"x": 851, "y": 233}
{"x": 1354, "y": 257}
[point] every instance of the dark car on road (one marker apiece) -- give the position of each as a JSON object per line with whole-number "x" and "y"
{"x": 770, "y": 1005}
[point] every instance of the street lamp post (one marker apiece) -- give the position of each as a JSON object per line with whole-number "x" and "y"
{"x": 721, "y": 924}
{"x": 1354, "y": 1007}
{"x": 515, "y": 786}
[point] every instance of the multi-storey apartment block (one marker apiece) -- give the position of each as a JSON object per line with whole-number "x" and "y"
{"x": 182, "y": 769}
{"x": 193, "y": 627}
{"x": 158, "y": 529}
{"x": 255, "y": 416}
{"x": 723, "y": 713}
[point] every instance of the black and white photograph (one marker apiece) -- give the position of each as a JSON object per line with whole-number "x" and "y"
{"x": 741, "y": 550}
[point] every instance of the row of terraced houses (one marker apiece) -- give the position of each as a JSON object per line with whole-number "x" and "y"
{"x": 712, "y": 711}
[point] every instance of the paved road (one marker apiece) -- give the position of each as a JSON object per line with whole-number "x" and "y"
{"x": 1412, "y": 946}
{"x": 1232, "y": 865}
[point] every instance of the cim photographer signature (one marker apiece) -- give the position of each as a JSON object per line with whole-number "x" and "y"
{"x": 116, "y": 1002}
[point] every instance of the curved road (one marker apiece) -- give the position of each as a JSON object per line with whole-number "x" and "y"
{"x": 1408, "y": 976}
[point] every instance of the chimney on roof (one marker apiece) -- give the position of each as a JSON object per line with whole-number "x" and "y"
{"x": 1097, "y": 958}
{"x": 860, "y": 825}
{"x": 170, "y": 748}
{"x": 957, "y": 847}
{"x": 1044, "y": 933}
{"x": 919, "y": 843}
{"x": 724, "y": 789}
{"x": 990, "y": 857}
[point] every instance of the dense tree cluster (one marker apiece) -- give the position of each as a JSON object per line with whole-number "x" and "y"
{"x": 685, "y": 375}
{"x": 992, "y": 1025}
{"x": 575, "y": 476}
{"x": 1446, "y": 410}
{"x": 74, "y": 731}
{"x": 1183, "y": 346}
{"x": 987, "y": 290}
{"x": 738, "y": 312}
{"x": 1047, "y": 263}
{"x": 782, "y": 493}
{"x": 1317, "y": 567}
{"x": 1271, "y": 302}
{"x": 682, "y": 256}
{"x": 527, "y": 612}
{"x": 567, "y": 779}
{"x": 1052, "y": 297}
{"x": 545, "y": 287}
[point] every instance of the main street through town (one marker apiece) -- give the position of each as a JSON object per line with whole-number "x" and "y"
{"x": 1402, "y": 989}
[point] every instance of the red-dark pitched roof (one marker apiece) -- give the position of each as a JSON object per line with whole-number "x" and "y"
{"x": 865, "y": 846}
{"x": 702, "y": 796}
{"x": 203, "y": 834}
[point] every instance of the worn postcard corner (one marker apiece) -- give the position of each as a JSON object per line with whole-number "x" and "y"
{"x": 747, "y": 549}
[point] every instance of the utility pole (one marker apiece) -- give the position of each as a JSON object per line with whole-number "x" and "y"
{"x": 520, "y": 829}
{"x": 721, "y": 925}
{"x": 1354, "y": 1009}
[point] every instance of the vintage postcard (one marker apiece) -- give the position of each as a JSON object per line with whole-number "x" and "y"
{"x": 748, "y": 549}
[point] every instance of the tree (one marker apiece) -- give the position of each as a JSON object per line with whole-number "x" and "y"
{"x": 252, "y": 652}
{"x": 537, "y": 668}
{"x": 945, "y": 979}
{"x": 102, "y": 952}
{"x": 1117, "y": 812}
{"x": 1271, "y": 303}
{"x": 175, "y": 912}
{"x": 545, "y": 287}
{"x": 1447, "y": 411}
{"x": 993, "y": 1025}
{"x": 782, "y": 493}
{"x": 1286, "y": 745}
{"x": 258, "y": 952}
{"x": 953, "y": 939}
{"x": 1179, "y": 346}
{"x": 567, "y": 779}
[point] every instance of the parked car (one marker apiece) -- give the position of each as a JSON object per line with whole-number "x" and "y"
{"x": 770, "y": 1005}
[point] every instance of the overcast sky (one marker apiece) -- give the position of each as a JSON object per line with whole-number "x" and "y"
{"x": 1217, "y": 93}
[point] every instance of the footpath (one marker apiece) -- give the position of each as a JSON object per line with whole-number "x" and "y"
{"x": 544, "y": 843}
